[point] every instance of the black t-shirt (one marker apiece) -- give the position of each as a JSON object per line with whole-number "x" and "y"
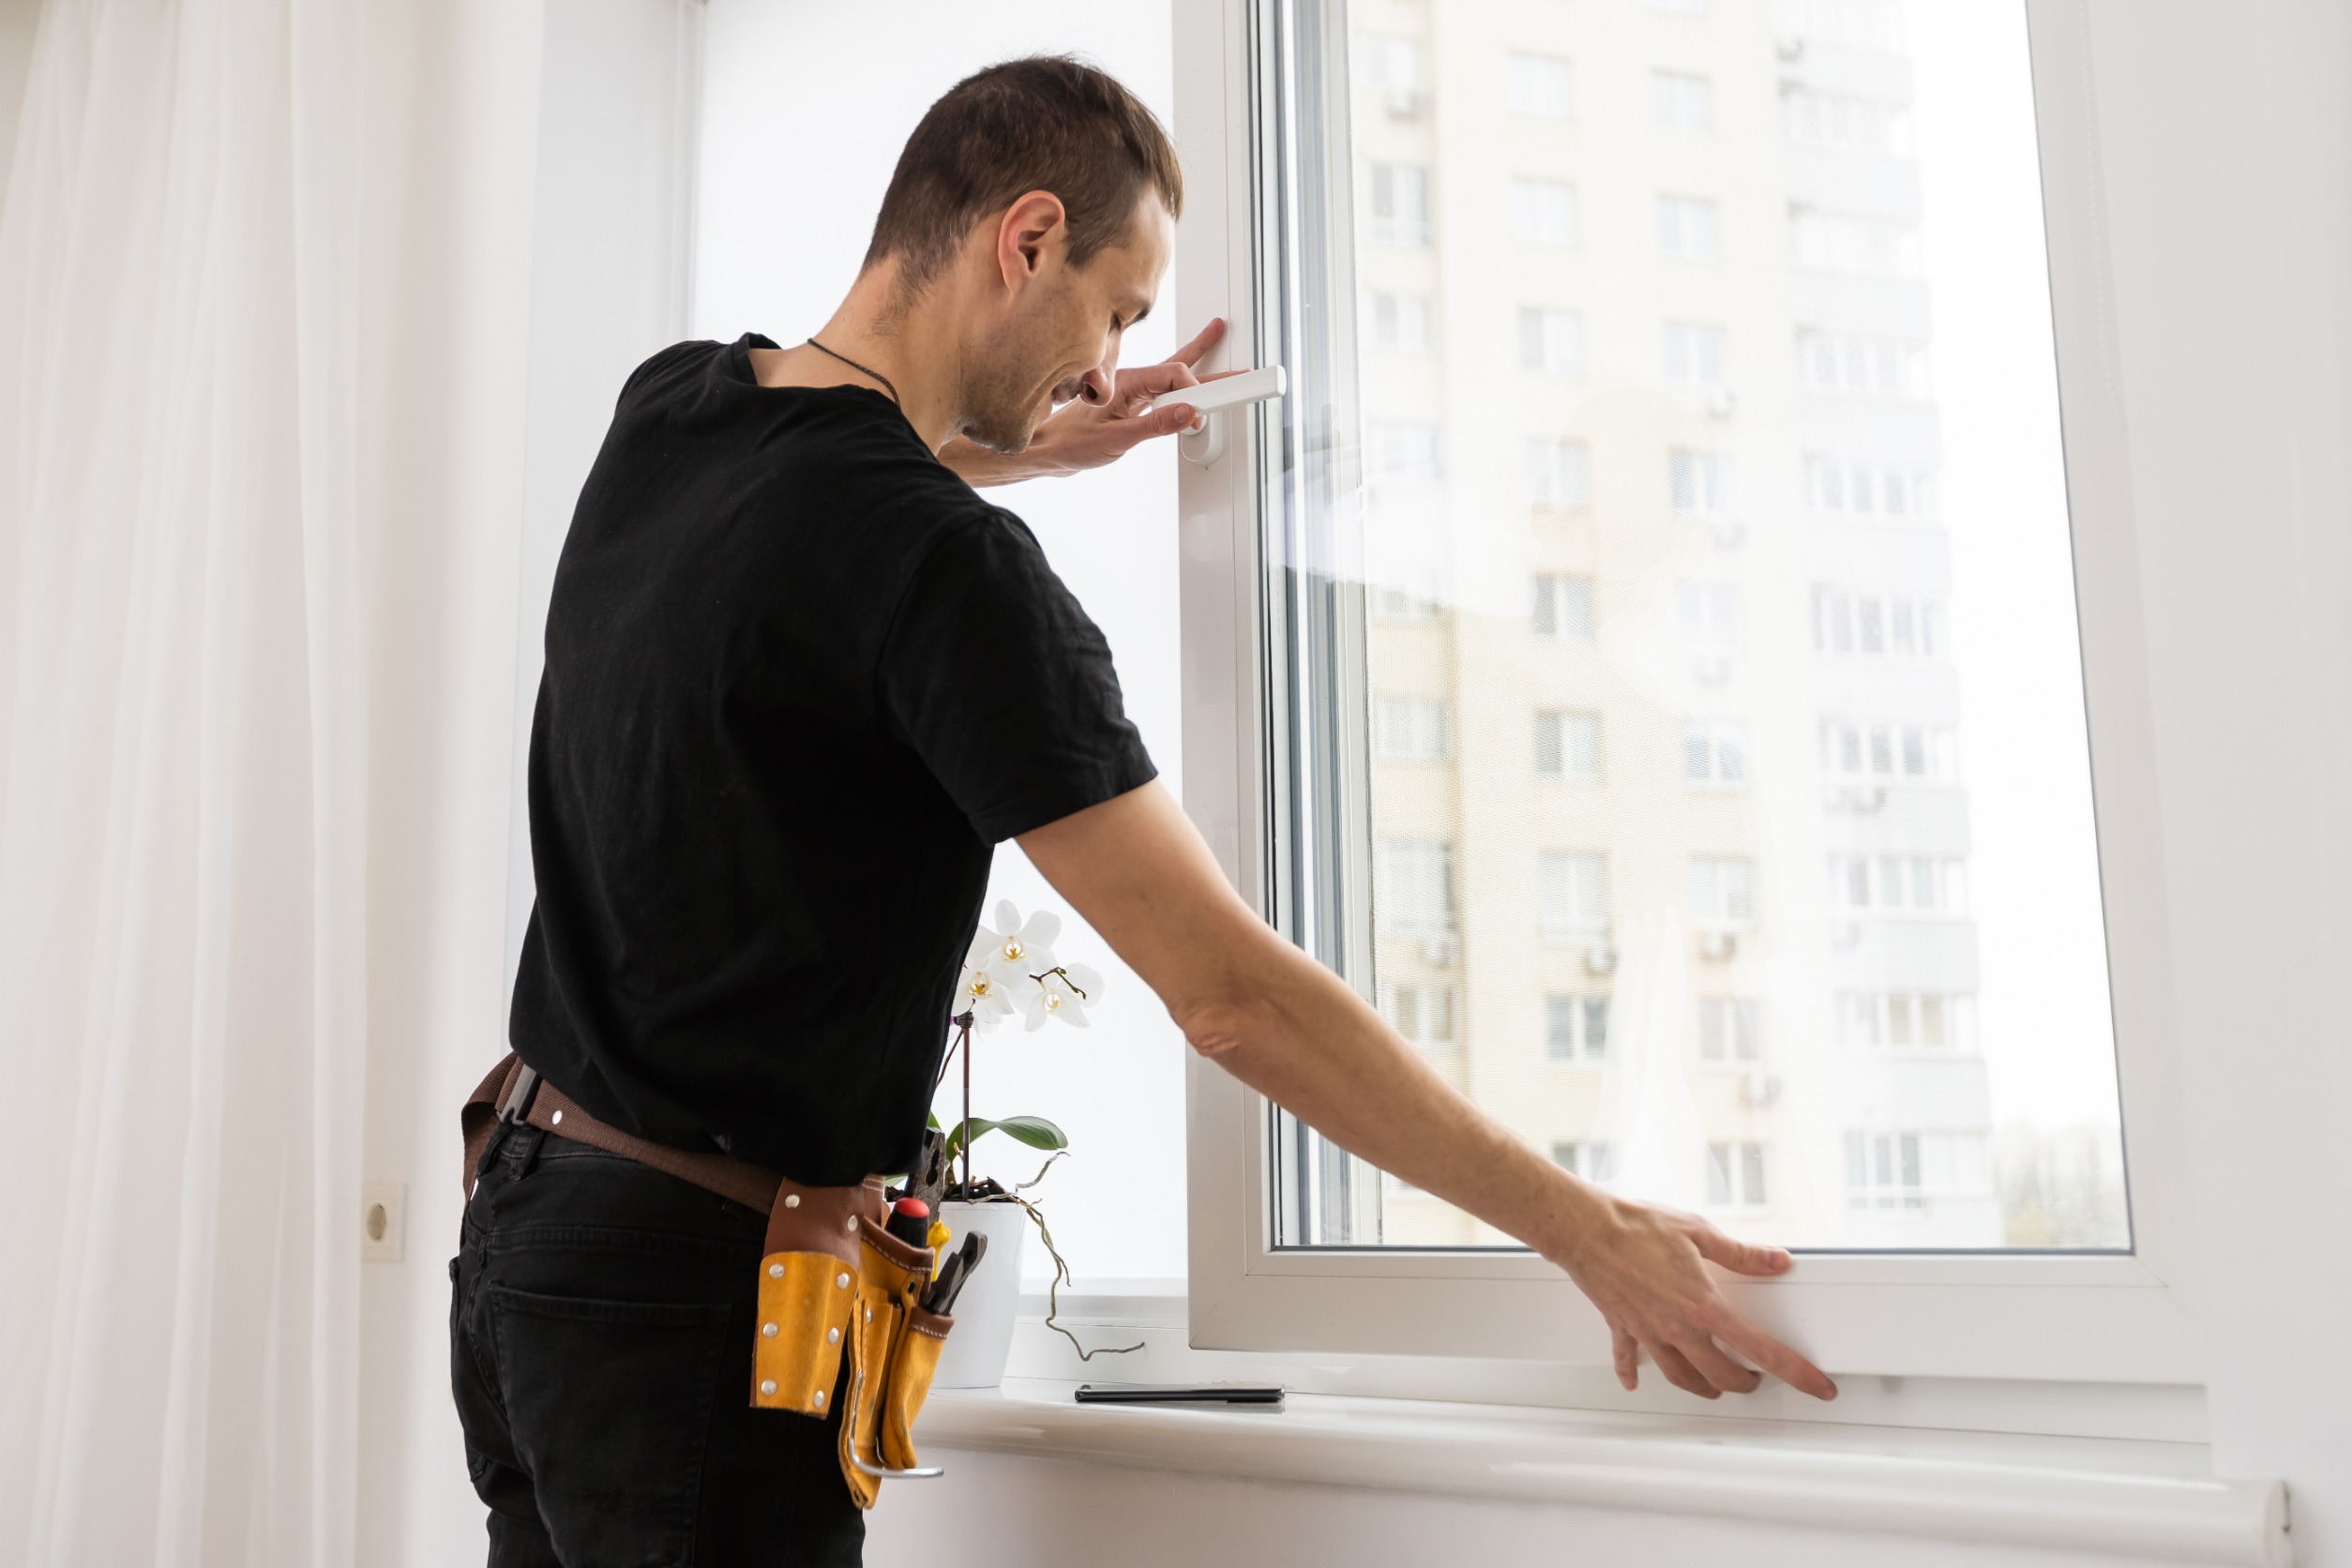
{"x": 799, "y": 680}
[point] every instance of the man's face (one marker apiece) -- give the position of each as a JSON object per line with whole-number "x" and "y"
{"x": 1061, "y": 337}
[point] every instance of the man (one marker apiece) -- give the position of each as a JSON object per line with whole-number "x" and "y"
{"x": 800, "y": 680}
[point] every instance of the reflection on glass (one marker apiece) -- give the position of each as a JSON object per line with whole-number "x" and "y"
{"x": 1701, "y": 773}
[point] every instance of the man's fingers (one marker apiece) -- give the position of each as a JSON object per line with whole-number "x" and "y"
{"x": 1740, "y": 1256}
{"x": 1150, "y": 380}
{"x": 1681, "y": 1373}
{"x": 1626, "y": 1351}
{"x": 1720, "y": 1369}
{"x": 1203, "y": 341}
{"x": 1775, "y": 1357}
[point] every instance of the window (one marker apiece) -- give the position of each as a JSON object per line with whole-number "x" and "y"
{"x": 1867, "y": 489}
{"x": 1563, "y": 608}
{"x": 1556, "y": 473}
{"x": 1577, "y": 1027}
{"x": 1727, "y": 1030}
{"x": 1568, "y": 746}
{"x": 1399, "y": 320}
{"x": 1723, "y": 892}
{"x": 1860, "y": 364}
{"x": 1574, "y": 891}
{"x": 1694, "y": 482}
{"x": 1422, "y": 1012}
{"x": 1551, "y": 341}
{"x": 1692, "y": 353}
{"x": 1392, "y": 68}
{"x": 1870, "y": 246}
{"x": 1414, "y": 886}
{"x": 1542, "y": 212}
{"x": 1594, "y": 1161}
{"x": 1812, "y": 117}
{"x": 1874, "y": 25}
{"x": 1735, "y": 1176}
{"x": 1715, "y": 753}
{"x": 1400, "y": 204}
{"x": 1876, "y": 625}
{"x": 1897, "y": 884}
{"x": 1681, "y": 103}
{"x": 1686, "y": 228}
{"x": 1735, "y": 905}
{"x": 1539, "y": 84}
{"x": 1410, "y": 730}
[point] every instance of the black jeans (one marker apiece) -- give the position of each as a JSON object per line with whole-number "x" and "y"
{"x": 600, "y": 1350}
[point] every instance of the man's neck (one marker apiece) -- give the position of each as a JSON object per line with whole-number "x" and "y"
{"x": 878, "y": 336}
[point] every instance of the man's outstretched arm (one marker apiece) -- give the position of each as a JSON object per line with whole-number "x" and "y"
{"x": 1138, "y": 870}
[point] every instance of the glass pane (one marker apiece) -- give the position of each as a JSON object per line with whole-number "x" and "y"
{"x": 1680, "y": 718}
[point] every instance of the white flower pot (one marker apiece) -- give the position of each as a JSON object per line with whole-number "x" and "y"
{"x": 982, "y": 1336}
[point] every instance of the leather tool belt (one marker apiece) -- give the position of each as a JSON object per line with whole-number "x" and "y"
{"x": 832, "y": 1279}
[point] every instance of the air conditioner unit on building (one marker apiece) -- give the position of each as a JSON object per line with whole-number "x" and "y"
{"x": 1722, "y": 401}
{"x": 1599, "y": 958}
{"x": 1760, "y": 1087}
{"x": 1718, "y": 945}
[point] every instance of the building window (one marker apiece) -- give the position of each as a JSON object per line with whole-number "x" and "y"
{"x": 1423, "y": 1012}
{"x": 1855, "y": 23}
{"x": 1715, "y": 753}
{"x": 1393, "y": 68}
{"x": 1399, "y": 320}
{"x": 1595, "y": 1161}
{"x": 1412, "y": 884}
{"x": 1557, "y": 472}
{"x": 1572, "y": 895}
{"x": 1577, "y": 1027}
{"x": 1551, "y": 341}
{"x": 1876, "y": 625}
{"x": 1543, "y": 212}
{"x": 1568, "y": 746}
{"x": 1729, "y": 1030}
{"x": 1897, "y": 884}
{"x": 1692, "y": 353}
{"x": 1904, "y": 1020}
{"x": 1865, "y": 489}
{"x": 1709, "y": 616}
{"x": 1400, "y": 204}
{"x": 1541, "y": 85}
{"x": 1402, "y": 604}
{"x": 1723, "y": 892}
{"x": 1410, "y": 730}
{"x": 1687, "y": 229}
{"x": 1694, "y": 483}
{"x": 1861, "y": 750}
{"x": 1563, "y": 609}
{"x": 1735, "y": 1176}
{"x": 1681, "y": 103}
{"x": 1896, "y": 1169}
{"x": 1860, "y": 366}
{"x": 1867, "y": 247}
{"x": 1845, "y": 122}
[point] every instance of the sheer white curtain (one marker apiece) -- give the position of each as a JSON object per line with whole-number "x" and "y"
{"x": 183, "y": 797}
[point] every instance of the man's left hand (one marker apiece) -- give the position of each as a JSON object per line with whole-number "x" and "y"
{"x": 1082, "y": 435}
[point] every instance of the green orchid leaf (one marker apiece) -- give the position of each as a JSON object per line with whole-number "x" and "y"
{"x": 1035, "y": 1131}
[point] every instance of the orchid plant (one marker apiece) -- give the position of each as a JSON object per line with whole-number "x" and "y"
{"x": 1011, "y": 971}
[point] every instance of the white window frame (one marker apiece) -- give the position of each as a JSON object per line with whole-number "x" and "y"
{"x": 2095, "y": 1318}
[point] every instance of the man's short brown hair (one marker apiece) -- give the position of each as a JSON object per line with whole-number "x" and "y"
{"x": 1045, "y": 123}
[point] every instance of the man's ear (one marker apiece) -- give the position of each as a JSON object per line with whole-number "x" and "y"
{"x": 1030, "y": 227}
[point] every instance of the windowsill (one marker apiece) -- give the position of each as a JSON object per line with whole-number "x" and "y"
{"x": 2153, "y": 1500}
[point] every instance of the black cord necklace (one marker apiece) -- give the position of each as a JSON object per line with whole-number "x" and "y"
{"x": 859, "y": 369}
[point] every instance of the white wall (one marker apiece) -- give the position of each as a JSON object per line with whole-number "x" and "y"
{"x": 804, "y": 108}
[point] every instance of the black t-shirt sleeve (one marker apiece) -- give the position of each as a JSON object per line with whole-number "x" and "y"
{"x": 1003, "y": 687}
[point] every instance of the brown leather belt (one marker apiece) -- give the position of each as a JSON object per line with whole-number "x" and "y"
{"x": 799, "y": 1218}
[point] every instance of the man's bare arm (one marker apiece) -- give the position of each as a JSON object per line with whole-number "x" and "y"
{"x": 1081, "y": 436}
{"x": 1138, "y": 871}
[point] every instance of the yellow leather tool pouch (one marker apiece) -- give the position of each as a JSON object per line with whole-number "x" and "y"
{"x": 895, "y": 1349}
{"x": 809, "y": 1288}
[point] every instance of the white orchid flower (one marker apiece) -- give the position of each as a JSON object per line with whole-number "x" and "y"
{"x": 1064, "y": 993}
{"x": 989, "y": 989}
{"x": 1025, "y": 946}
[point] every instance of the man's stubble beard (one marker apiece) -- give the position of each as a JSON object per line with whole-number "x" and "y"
{"x": 1001, "y": 401}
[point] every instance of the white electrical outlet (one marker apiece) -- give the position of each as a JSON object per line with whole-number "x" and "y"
{"x": 382, "y": 1215}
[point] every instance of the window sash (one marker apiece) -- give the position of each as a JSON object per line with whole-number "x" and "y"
{"x": 2110, "y": 1318}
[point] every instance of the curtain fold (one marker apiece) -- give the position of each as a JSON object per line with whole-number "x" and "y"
{"x": 182, "y": 786}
